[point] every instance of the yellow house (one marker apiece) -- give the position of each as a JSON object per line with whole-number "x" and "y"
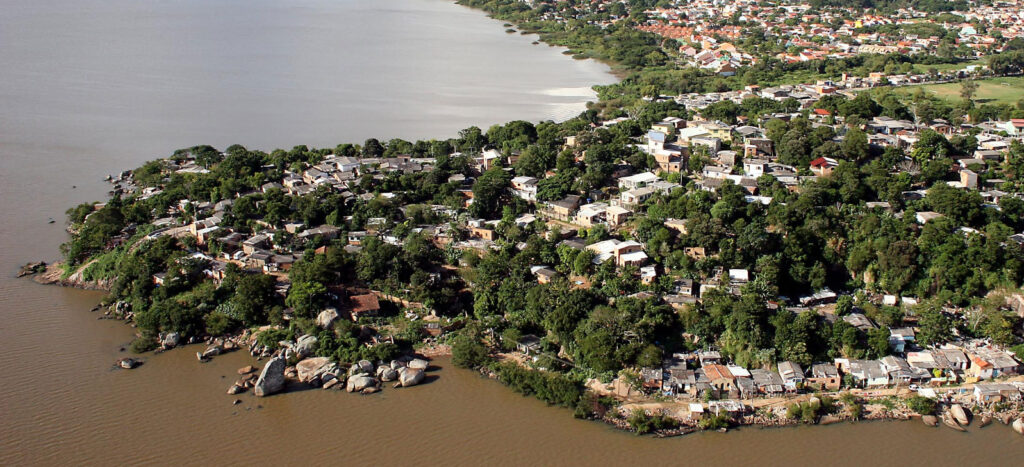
{"x": 664, "y": 127}
{"x": 718, "y": 130}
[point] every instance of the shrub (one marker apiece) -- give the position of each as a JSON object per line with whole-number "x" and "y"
{"x": 382, "y": 352}
{"x": 716, "y": 422}
{"x": 271, "y": 337}
{"x": 642, "y": 423}
{"x": 550, "y": 387}
{"x": 592, "y": 406}
{"x": 143, "y": 344}
{"x": 921, "y": 405}
{"x": 805, "y": 411}
{"x": 793, "y": 411}
{"x": 469, "y": 352}
{"x": 218, "y": 324}
{"x": 509, "y": 338}
{"x": 856, "y": 410}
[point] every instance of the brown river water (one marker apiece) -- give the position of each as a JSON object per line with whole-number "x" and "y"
{"x": 90, "y": 87}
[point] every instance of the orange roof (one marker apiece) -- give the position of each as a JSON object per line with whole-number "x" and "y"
{"x": 714, "y": 372}
{"x": 364, "y": 303}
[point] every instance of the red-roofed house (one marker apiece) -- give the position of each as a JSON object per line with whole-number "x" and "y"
{"x": 823, "y": 166}
{"x": 364, "y": 305}
{"x": 719, "y": 377}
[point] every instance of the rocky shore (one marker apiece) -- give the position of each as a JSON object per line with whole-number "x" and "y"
{"x": 954, "y": 415}
{"x": 53, "y": 274}
{"x": 294, "y": 365}
{"x": 1008, "y": 414}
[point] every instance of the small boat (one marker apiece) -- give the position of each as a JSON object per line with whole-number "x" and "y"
{"x": 985, "y": 421}
{"x": 1018, "y": 426}
{"x": 930, "y": 420}
{"x": 951, "y": 422}
{"x": 961, "y": 414}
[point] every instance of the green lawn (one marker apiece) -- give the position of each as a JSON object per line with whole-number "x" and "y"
{"x": 990, "y": 91}
{"x": 946, "y": 67}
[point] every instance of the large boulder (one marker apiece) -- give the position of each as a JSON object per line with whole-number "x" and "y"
{"x": 361, "y": 367}
{"x": 360, "y": 382}
{"x": 309, "y": 369}
{"x": 211, "y": 351}
{"x": 271, "y": 380}
{"x": 386, "y": 373}
{"x": 418, "y": 364}
{"x": 960, "y": 414}
{"x": 170, "y": 340}
{"x": 305, "y": 346}
{"x": 326, "y": 318}
{"x": 128, "y": 363}
{"x": 410, "y": 377}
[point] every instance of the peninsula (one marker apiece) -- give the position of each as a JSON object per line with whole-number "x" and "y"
{"x": 780, "y": 215}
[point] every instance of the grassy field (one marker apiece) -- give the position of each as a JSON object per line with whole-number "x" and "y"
{"x": 990, "y": 91}
{"x": 944, "y": 67}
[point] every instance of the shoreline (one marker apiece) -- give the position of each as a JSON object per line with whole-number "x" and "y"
{"x": 615, "y": 417}
{"x": 53, "y": 274}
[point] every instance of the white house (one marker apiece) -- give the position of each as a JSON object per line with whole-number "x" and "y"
{"x": 639, "y": 180}
{"x": 525, "y": 188}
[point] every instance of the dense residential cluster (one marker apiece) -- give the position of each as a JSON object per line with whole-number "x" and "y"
{"x": 723, "y": 36}
{"x": 718, "y": 238}
{"x": 680, "y": 221}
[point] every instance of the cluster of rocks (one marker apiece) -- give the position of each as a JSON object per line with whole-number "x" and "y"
{"x": 365, "y": 378}
{"x": 260, "y": 351}
{"x": 32, "y": 268}
{"x": 303, "y": 347}
{"x": 120, "y": 310}
{"x": 294, "y": 361}
{"x": 958, "y": 417}
{"x": 245, "y": 382}
{"x": 318, "y": 372}
{"x": 215, "y": 347}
